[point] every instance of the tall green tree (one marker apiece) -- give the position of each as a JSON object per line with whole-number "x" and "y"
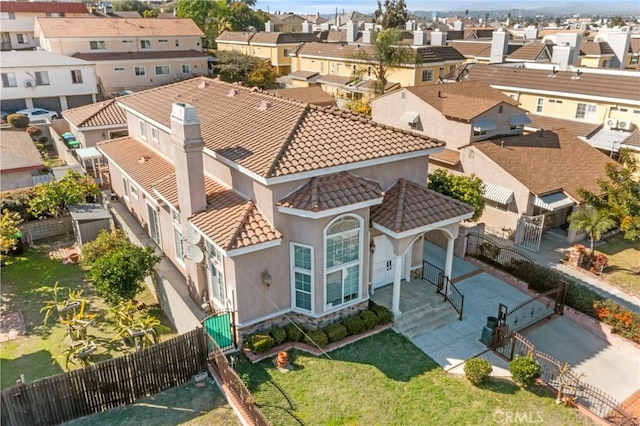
{"x": 617, "y": 21}
{"x": 131, "y": 5}
{"x": 9, "y": 230}
{"x": 391, "y": 14}
{"x": 53, "y": 198}
{"x": 620, "y": 194}
{"x": 593, "y": 221}
{"x": 383, "y": 55}
{"x": 467, "y": 189}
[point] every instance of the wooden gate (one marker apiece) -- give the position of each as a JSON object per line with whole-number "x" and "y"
{"x": 529, "y": 232}
{"x": 221, "y": 328}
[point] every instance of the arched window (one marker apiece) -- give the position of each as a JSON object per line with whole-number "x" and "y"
{"x": 343, "y": 259}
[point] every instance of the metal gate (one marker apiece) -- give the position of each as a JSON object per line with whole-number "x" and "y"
{"x": 221, "y": 328}
{"x": 529, "y": 232}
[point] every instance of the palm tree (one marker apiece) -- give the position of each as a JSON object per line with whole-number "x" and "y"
{"x": 593, "y": 221}
{"x": 617, "y": 21}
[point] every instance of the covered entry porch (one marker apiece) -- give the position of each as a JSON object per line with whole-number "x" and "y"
{"x": 407, "y": 212}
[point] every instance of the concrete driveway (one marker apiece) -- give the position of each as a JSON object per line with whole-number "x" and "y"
{"x": 602, "y": 365}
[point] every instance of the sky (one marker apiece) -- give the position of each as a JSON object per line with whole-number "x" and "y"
{"x": 366, "y": 6}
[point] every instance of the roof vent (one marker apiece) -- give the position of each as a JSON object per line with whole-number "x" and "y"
{"x": 541, "y": 133}
{"x": 502, "y": 144}
{"x": 553, "y": 72}
{"x": 143, "y": 159}
{"x": 203, "y": 84}
{"x": 232, "y": 93}
{"x": 577, "y": 76}
{"x": 264, "y": 105}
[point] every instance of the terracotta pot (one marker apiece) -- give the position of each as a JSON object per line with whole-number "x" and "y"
{"x": 282, "y": 359}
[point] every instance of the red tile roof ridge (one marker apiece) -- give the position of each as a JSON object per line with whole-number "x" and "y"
{"x": 285, "y": 146}
{"x": 400, "y": 210}
{"x": 242, "y": 222}
{"x": 315, "y": 202}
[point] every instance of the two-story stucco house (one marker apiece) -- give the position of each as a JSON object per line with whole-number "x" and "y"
{"x": 17, "y": 20}
{"x": 271, "y": 207}
{"x": 45, "y": 80}
{"x": 130, "y": 54}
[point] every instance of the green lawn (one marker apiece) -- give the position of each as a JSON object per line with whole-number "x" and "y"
{"x": 27, "y": 282}
{"x": 624, "y": 255}
{"x": 184, "y": 405}
{"x": 386, "y": 380}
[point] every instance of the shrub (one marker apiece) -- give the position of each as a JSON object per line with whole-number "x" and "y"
{"x": 477, "y": 370}
{"x": 622, "y": 320}
{"x": 279, "y": 334}
{"x": 369, "y": 319}
{"x": 316, "y": 338}
{"x": 260, "y": 342}
{"x": 294, "y": 333}
{"x": 384, "y": 315}
{"x": 34, "y": 132}
{"x": 524, "y": 370}
{"x": 43, "y": 140}
{"x": 354, "y": 325}
{"x": 18, "y": 121}
{"x": 336, "y": 332}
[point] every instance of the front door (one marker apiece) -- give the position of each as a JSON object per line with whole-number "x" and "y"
{"x": 383, "y": 262}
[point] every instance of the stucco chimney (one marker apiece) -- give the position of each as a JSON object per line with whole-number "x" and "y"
{"x": 530, "y": 33}
{"x": 307, "y": 27}
{"x": 499, "y": 44}
{"x": 352, "y": 32}
{"x": 187, "y": 156}
{"x": 619, "y": 43}
{"x": 366, "y": 36}
{"x": 458, "y": 25}
{"x": 410, "y": 25}
{"x": 269, "y": 27}
{"x": 419, "y": 38}
{"x": 573, "y": 40}
{"x": 438, "y": 38}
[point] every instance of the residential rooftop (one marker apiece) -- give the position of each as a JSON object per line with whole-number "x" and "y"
{"x": 97, "y": 27}
{"x": 42, "y": 7}
{"x": 38, "y": 58}
{"x": 107, "y": 113}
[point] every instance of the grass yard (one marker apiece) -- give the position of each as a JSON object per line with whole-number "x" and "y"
{"x": 184, "y": 405}
{"x": 624, "y": 255}
{"x": 27, "y": 282}
{"x": 386, "y": 380}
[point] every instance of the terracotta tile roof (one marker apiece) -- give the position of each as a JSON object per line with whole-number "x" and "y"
{"x": 578, "y": 128}
{"x": 142, "y": 164}
{"x": 333, "y": 50}
{"x": 370, "y": 86}
{"x": 315, "y": 19}
{"x": 98, "y": 27}
{"x": 283, "y": 38}
{"x": 230, "y": 220}
{"x": 595, "y": 48}
{"x": 407, "y": 206}
{"x": 590, "y": 84}
{"x": 633, "y": 140}
{"x": 281, "y": 18}
{"x": 122, "y": 56}
{"x": 331, "y": 192}
{"x": 107, "y": 113}
{"x": 439, "y": 54}
{"x": 528, "y": 52}
{"x": 479, "y": 49}
{"x": 447, "y": 156}
{"x": 335, "y": 79}
{"x": 235, "y": 36}
{"x": 18, "y": 151}
{"x": 308, "y": 95}
{"x": 275, "y": 136}
{"x": 464, "y": 101}
{"x": 42, "y": 7}
{"x": 302, "y": 75}
{"x": 634, "y": 45}
{"x": 547, "y": 162}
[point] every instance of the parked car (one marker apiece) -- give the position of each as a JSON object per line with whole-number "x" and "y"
{"x": 36, "y": 114}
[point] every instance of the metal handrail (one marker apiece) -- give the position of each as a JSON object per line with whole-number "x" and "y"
{"x": 431, "y": 272}
{"x": 451, "y": 294}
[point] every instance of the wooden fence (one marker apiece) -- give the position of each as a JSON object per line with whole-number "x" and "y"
{"x": 106, "y": 385}
{"x": 234, "y": 387}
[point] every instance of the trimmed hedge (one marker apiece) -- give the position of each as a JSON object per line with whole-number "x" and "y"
{"x": 524, "y": 370}
{"x": 336, "y": 332}
{"x": 316, "y": 338}
{"x": 369, "y": 319}
{"x": 384, "y": 314}
{"x": 354, "y": 325}
{"x": 260, "y": 342}
{"x": 294, "y": 332}
{"x": 477, "y": 370}
{"x": 279, "y": 335}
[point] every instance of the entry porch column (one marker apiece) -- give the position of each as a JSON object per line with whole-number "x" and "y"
{"x": 448, "y": 261}
{"x": 397, "y": 276}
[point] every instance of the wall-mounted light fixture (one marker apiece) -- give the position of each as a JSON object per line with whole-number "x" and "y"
{"x": 266, "y": 278}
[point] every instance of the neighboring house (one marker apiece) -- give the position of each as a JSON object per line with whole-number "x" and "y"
{"x": 271, "y": 207}
{"x": 308, "y": 95}
{"x": 45, "y": 80}
{"x": 596, "y": 54}
{"x": 274, "y": 46}
{"x": 18, "y": 20}
{"x": 633, "y": 58}
{"x": 97, "y": 122}
{"x": 20, "y": 160}
{"x": 532, "y": 182}
{"x": 341, "y": 73}
{"x": 284, "y": 22}
{"x": 457, "y": 113}
{"x": 130, "y": 54}
{"x": 603, "y": 97}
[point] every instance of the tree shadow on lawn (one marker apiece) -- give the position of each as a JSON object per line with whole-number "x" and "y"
{"x": 26, "y": 364}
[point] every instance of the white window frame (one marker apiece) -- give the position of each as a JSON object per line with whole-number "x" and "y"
{"x": 162, "y": 67}
{"x": 154, "y": 133}
{"x": 119, "y": 69}
{"x": 76, "y": 76}
{"x": 216, "y": 266}
{"x": 7, "y": 15}
{"x": 496, "y": 206}
{"x": 125, "y": 186}
{"x": 142, "y": 127}
{"x": 343, "y": 267}
{"x": 10, "y": 79}
{"x": 177, "y": 241}
{"x": 477, "y": 133}
{"x": 153, "y": 216}
{"x": 22, "y": 38}
{"x": 145, "y": 44}
{"x": 185, "y": 68}
{"x": 586, "y": 111}
{"x": 427, "y": 75}
{"x": 140, "y": 71}
{"x": 309, "y": 272}
{"x": 539, "y": 104}
{"x": 42, "y": 78}
{"x": 133, "y": 190}
{"x": 97, "y": 45}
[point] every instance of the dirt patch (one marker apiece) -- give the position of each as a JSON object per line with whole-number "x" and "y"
{"x": 11, "y": 326}
{"x": 68, "y": 254}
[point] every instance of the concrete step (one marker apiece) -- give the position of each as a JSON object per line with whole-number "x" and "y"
{"x": 423, "y": 311}
{"x": 416, "y": 323}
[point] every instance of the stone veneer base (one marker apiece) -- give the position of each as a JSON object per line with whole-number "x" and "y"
{"x": 254, "y": 358}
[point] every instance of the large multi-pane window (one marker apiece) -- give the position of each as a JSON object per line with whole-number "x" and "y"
{"x": 539, "y": 104}
{"x": 154, "y": 224}
{"x": 216, "y": 275}
{"x": 343, "y": 259}
{"x": 586, "y": 111}
{"x": 76, "y": 76}
{"x": 302, "y": 275}
{"x": 9, "y": 79}
{"x": 97, "y": 45}
{"x": 42, "y": 78}
{"x": 427, "y": 75}
{"x": 163, "y": 70}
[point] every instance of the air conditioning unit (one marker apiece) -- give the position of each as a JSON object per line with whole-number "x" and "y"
{"x": 28, "y": 84}
{"x": 612, "y": 123}
{"x": 624, "y": 125}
